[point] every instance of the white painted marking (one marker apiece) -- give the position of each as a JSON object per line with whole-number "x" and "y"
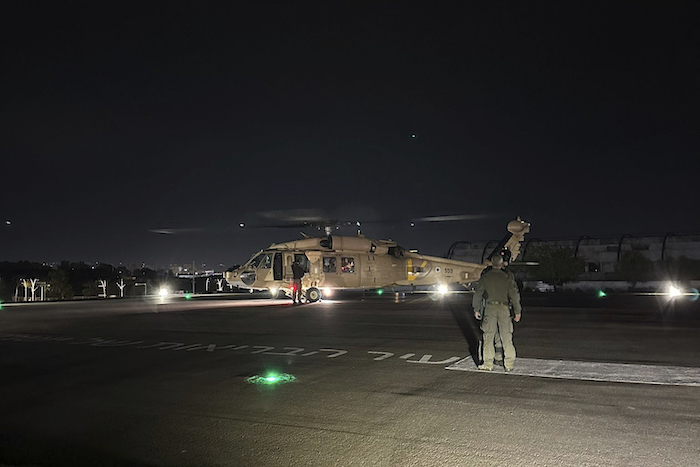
{"x": 426, "y": 359}
{"x": 162, "y": 345}
{"x": 263, "y": 348}
{"x": 337, "y": 353}
{"x": 595, "y": 371}
{"x": 291, "y": 352}
{"x": 384, "y": 356}
{"x": 309, "y": 353}
{"x": 192, "y": 347}
{"x": 90, "y": 341}
{"x": 406, "y": 356}
{"x": 170, "y": 345}
{"x": 115, "y": 343}
{"x": 234, "y": 348}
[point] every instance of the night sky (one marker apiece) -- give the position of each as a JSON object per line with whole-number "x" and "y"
{"x": 116, "y": 120}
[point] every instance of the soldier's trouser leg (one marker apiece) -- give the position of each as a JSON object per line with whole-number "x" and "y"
{"x": 499, "y": 349}
{"x": 505, "y": 330}
{"x": 489, "y": 327}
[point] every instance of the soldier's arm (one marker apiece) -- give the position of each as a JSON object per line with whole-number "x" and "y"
{"x": 514, "y": 296}
{"x": 477, "y": 300}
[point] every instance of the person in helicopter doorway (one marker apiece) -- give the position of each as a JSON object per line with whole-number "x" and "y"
{"x": 297, "y": 275}
{"x": 495, "y": 292}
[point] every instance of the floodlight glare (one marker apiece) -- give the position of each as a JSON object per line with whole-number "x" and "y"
{"x": 273, "y": 292}
{"x": 443, "y": 289}
{"x": 163, "y": 291}
{"x": 673, "y": 291}
{"x": 327, "y": 291}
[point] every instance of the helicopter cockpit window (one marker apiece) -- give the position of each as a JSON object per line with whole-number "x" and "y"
{"x": 329, "y": 264}
{"x": 396, "y": 251}
{"x": 347, "y": 265}
{"x": 256, "y": 261}
{"x": 266, "y": 262}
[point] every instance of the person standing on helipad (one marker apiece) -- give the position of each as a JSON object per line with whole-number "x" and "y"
{"x": 495, "y": 290}
{"x": 297, "y": 276}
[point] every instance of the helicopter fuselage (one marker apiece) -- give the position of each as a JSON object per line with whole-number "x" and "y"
{"x": 349, "y": 263}
{"x": 343, "y": 262}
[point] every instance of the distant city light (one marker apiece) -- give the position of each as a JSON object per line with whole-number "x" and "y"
{"x": 413, "y": 136}
{"x": 8, "y": 222}
{"x": 241, "y": 225}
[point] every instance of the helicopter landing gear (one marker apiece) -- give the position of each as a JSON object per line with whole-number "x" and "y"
{"x": 313, "y": 295}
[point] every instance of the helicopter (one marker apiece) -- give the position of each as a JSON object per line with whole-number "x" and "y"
{"x": 333, "y": 262}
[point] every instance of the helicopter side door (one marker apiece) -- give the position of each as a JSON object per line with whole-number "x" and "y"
{"x": 277, "y": 271}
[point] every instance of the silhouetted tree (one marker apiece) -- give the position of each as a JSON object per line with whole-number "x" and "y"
{"x": 60, "y": 287}
{"x": 557, "y": 265}
{"x": 634, "y": 267}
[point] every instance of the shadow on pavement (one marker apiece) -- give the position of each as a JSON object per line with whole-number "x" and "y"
{"x": 468, "y": 326}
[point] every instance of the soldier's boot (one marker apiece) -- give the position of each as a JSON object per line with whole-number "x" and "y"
{"x": 485, "y": 367}
{"x": 498, "y": 358}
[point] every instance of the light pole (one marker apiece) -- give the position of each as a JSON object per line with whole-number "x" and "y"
{"x": 145, "y": 287}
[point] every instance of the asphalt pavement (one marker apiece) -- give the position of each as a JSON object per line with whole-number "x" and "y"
{"x": 361, "y": 379}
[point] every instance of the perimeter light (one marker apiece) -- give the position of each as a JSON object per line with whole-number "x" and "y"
{"x": 163, "y": 291}
{"x": 443, "y": 289}
{"x": 674, "y": 292}
{"x": 273, "y": 292}
{"x": 327, "y": 291}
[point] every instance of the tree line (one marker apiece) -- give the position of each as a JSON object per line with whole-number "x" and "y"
{"x": 67, "y": 280}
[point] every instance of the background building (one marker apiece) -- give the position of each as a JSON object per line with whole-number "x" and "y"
{"x": 600, "y": 254}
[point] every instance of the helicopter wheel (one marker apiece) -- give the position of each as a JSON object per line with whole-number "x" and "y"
{"x": 313, "y": 295}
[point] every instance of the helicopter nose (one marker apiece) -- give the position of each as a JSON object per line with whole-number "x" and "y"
{"x": 248, "y": 277}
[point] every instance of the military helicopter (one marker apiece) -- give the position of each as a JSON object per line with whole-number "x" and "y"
{"x": 335, "y": 262}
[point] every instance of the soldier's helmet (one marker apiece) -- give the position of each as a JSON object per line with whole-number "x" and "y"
{"x": 497, "y": 261}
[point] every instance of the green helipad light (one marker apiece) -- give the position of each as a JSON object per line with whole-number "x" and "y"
{"x": 188, "y": 296}
{"x": 602, "y": 294}
{"x": 380, "y": 291}
{"x": 272, "y": 379}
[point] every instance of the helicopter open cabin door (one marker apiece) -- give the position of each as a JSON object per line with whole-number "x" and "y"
{"x": 277, "y": 270}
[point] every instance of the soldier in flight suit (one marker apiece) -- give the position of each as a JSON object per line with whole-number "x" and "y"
{"x": 297, "y": 275}
{"x": 495, "y": 290}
